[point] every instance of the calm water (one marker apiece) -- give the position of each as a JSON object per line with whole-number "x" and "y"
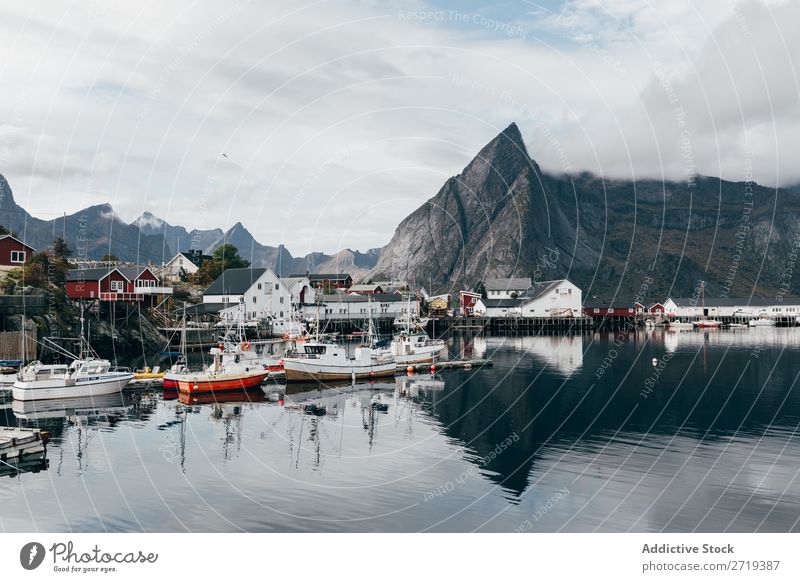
{"x": 562, "y": 434}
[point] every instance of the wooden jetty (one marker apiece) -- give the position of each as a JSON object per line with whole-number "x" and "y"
{"x": 16, "y": 443}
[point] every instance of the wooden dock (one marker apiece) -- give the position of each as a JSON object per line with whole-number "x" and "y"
{"x": 16, "y": 443}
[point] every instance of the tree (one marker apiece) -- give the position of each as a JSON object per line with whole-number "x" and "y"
{"x": 4, "y": 230}
{"x": 481, "y": 288}
{"x": 60, "y": 249}
{"x": 109, "y": 258}
{"x": 227, "y": 256}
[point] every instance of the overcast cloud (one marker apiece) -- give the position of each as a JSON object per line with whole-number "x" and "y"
{"x": 340, "y": 118}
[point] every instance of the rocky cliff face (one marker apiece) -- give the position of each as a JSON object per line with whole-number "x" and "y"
{"x": 502, "y": 216}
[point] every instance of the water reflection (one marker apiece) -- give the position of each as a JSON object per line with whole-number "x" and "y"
{"x": 708, "y": 441}
{"x": 561, "y": 354}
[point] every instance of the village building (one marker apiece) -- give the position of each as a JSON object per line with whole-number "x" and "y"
{"x": 498, "y": 307}
{"x": 185, "y": 263}
{"x": 506, "y": 288}
{"x": 365, "y": 289}
{"x": 394, "y": 286}
{"x": 747, "y": 308}
{"x": 122, "y": 283}
{"x": 615, "y": 310}
{"x": 343, "y": 306}
{"x": 259, "y": 291}
{"x": 14, "y": 252}
{"x": 438, "y": 305}
{"x": 468, "y": 300}
{"x": 301, "y": 291}
{"x": 328, "y": 281}
{"x": 560, "y": 298}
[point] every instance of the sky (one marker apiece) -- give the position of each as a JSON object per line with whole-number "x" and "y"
{"x": 322, "y": 124}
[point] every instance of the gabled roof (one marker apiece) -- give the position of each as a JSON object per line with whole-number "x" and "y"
{"x": 324, "y": 276}
{"x": 4, "y": 236}
{"x": 501, "y": 303}
{"x": 345, "y": 298}
{"x": 364, "y": 287}
{"x": 133, "y": 272}
{"x": 235, "y": 281}
{"x": 94, "y": 274}
{"x": 507, "y": 284}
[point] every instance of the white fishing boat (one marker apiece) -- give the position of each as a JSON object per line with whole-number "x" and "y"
{"x": 83, "y": 377}
{"x": 87, "y": 375}
{"x": 409, "y": 320}
{"x": 762, "y": 321}
{"x": 317, "y": 360}
{"x": 678, "y": 325}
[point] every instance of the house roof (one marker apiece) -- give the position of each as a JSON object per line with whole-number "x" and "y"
{"x": 507, "y": 284}
{"x": 501, "y": 303}
{"x": 234, "y": 281}
{"x": 324, "y": 276}
{"x": 345, "y": 298}
{"x": 94, "y": 274}
{"x": 357, "y": 288}
{"x": 133, "y": 272}
{"x": 16, "y": 239}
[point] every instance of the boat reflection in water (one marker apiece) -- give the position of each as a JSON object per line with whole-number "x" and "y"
{"x": 106, "y": 409}
{"x": 559, "y": 354}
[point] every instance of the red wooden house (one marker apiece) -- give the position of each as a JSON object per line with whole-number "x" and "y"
{"x": 14, "y": 252}
{"x": 656, "y": 309}
{"x": 468, "y": 300}
{"x": 114, "y": 284}
{"x": 612, "y": 311}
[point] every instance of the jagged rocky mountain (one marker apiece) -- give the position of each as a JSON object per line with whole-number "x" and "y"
{"x": 503, "y": 216}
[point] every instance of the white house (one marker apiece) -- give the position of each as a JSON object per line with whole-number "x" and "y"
{"x": 260, "y": 290}
{"x": 181, "y": 265}
{"x": 301, "y": 290}
{"x": 506, "y": 288}
{"x": 347, "y": 306}
{"x": 498, "y": 307}
{"x": 560, "y": 298}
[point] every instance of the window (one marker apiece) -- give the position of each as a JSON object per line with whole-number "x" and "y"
{"x": 281, "y": 298}
{"x": 254, "y": 298}
{"x": 259, "y": 286}
{"x": 117, "y": 286}
{"x": 611, "y": 310}
{"x": 596, "y": 310}
{"x": 17, "y": 256}
{"x": 277, "y": 286}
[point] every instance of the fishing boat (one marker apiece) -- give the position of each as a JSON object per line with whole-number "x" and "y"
{"x": 83, "y": 377}
{"x": 408, "y": 319}
{"x": 317, "y": 360}
{"x": 762, "y": 321}
{"x": 231, "y": 374}
{"x": 705, "y": 323}
{"x": 87, "y": 375}
{"x": 413, "y": 345}
{"x": 678, "y": 325}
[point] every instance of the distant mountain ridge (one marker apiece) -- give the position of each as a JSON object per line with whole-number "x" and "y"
{"x": 96, "y": 231}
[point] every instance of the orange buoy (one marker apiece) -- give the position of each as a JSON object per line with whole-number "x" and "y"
{"x": 245, "y": 345}
{"x": 410, "y": 369}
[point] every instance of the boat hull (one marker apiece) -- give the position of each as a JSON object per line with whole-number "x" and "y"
{"x": 198, "y": 383}
{"x": 61, "y": 389}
